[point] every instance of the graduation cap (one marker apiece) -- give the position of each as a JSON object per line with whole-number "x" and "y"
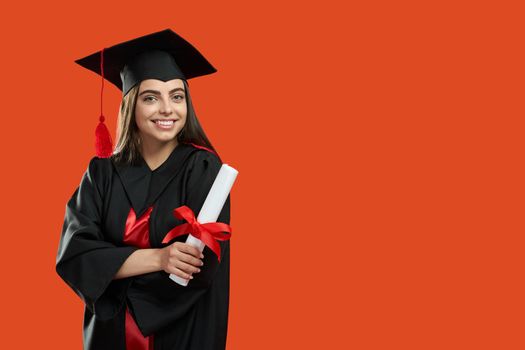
{"x": 162, "y": 55}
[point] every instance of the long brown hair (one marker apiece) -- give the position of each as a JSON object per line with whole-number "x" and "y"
{"x": 127, "y": 149}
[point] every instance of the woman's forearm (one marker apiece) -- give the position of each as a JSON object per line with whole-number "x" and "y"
{"x": 139, "y": 262}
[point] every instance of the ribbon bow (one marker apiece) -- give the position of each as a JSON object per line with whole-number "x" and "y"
{"x": 208, "y": 233}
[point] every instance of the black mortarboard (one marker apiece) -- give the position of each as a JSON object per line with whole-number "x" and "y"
{"x": 161, "y": 55}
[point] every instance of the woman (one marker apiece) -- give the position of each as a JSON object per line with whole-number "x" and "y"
{"x": 111, "y": 252}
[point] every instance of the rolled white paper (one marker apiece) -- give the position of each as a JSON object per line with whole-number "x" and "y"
{"x": 211, "y": 208}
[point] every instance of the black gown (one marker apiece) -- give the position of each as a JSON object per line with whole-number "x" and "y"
{"x": 92, "y": 250}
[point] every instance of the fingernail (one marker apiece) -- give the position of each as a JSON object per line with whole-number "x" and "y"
{"x": 191, "y": 277}
{"x": 198, "y": 270}
{"x": 202, "y": 256}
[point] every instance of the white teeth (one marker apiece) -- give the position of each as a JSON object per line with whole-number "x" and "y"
{"x": 164, "y": 122}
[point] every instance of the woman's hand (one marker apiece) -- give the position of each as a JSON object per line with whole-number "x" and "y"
{"x": 181, "y": 259}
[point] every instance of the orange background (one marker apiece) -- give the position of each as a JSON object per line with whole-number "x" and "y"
{"x": 380, "y": 197}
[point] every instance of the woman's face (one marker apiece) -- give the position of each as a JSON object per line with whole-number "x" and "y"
{"x": 161, "y": 109}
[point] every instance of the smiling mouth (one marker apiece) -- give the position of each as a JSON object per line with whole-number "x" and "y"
{"x": 166, "y": 122}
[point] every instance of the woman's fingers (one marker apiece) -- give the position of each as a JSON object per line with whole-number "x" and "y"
{"x": 182, "y": 260}
{"x": 188, "y": 249}
{"x": 188, "y": 259}
{"x": 179, "y": 272}
{"x": 187, "y": 268}
{"x": 187, "y": 254}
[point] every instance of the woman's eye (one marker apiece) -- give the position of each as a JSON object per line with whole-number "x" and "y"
{"x": 175, "y": 97}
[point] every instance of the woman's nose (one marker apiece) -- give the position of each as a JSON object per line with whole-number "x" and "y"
{"x": 165, "y": 107}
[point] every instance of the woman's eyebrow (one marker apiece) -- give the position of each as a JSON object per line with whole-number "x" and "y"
{"x": 158, "y": 92}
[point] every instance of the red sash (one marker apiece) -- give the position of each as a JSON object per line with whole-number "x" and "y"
{"x": 137, "y": 234}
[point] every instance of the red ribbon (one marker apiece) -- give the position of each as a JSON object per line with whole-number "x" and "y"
{"x": 208, "y": 233}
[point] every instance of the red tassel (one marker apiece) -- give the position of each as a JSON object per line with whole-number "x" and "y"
{"x": 103, "y": 143}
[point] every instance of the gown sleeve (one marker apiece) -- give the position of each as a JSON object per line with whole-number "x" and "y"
{"x": 200, "y": 180}
{"x": 85, "y": 260}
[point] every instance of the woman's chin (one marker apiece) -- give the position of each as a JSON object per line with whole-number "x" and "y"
{"x": 165, "y": 137}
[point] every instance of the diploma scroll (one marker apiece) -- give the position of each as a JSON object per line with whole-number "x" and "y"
{"x": 211, "y": 208}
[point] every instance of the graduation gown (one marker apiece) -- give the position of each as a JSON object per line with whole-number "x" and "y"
{"x": 93, "y": 246}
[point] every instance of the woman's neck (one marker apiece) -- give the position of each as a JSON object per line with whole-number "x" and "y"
{"x": 156, "y": 153}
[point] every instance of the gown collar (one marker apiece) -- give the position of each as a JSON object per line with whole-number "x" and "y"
{"x": 136, "y": 179}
